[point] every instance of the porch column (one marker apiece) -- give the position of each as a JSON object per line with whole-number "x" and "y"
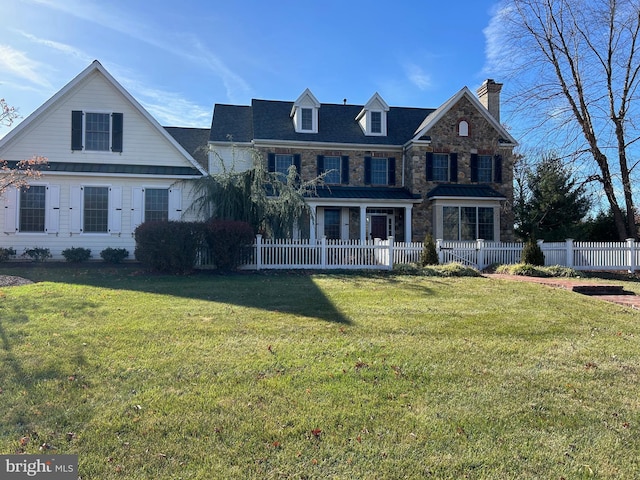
{"x": 407, "y": 223}
{"x": 363, "y": 223}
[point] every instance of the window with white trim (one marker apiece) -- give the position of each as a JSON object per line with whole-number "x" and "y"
{"x": 376, "y": 122}
{"x": 485, "y": 168}
{"x": 306, "y": 119}
{"x": 96, "y": 131}
{"x": 468, "y": 223}
{"x": 96, "y": 210}
{"x": 32, "y": 209}
{"x": 156, "y": 204}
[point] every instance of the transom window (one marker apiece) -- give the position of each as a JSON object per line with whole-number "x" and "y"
{"x": 467, "y": 223}
{"x": 485, "y": 168}
{"x": 379, "y": 171}
{"x": 32, "y": 208}
{"x": 306, "y": 118}
{"x": 96, "y": 209}
{"x": 376, "y": 122}
{"x": 97, "y": 131}
{"x": 156, "y": 204}
{"x": 440, "y": 167}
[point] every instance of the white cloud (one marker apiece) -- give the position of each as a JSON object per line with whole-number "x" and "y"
{"x": 17, "y": 63}
{"x": 498, "y": 59}
{"x": 61, "y": 47}
{"x": 418, "y": 77}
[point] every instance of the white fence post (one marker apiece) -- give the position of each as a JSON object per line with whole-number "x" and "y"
{"x": 323, "y": 251}
{"x": 480, "y": 257}
{"x": 258, "y": 251}
{"x": 390, "y": 252}
{"x": 569, "y": 246}
{"x": 631, "y": 245}
{"x": 439, "y": 250}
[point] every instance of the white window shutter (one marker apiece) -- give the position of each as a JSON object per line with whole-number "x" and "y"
{"x": 10, "y": 210}
{"x": 175, "y": 204}
{"x": 75, "y": 209}
{"x": 115, "y": 209}
{"x": 137, "y": 206}
{"x": 52, "y": 217}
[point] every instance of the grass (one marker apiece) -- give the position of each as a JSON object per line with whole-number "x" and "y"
{"x": 317, "y": 376}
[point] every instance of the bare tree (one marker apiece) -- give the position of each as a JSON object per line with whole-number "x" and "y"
{"x": 575, "y": 66}
{"x": 17, "y": 174}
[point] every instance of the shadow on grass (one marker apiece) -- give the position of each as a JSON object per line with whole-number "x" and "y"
{"x": 292, "y": 293}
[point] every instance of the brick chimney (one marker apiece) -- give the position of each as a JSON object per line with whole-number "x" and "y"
{"x": 489, "y": 96}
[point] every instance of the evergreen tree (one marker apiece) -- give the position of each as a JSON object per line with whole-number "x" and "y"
{"x": 552, "y": 205}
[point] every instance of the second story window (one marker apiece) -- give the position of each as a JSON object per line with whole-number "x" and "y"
{"x": 486, "y": 168}
{"x": 376, "y": 122}
{"x": 306, "y": 118}
{"x": 280, "y": 163}
{"x": 96, "y": 131}
{"x": 335, "y": 169}
{"x": 379, "y": 171}
{"x": 442, "y": 167}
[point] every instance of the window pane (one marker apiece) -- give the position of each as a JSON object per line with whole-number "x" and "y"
{"x": 96, "y": 209}
{"x": 97, "y": 131}
{"x": 376, "y": 122}
{"x": 332, "y": 170}
{"x": 485, "y": 170}
{"x": 468, "y": 223}
{"x": 379, "y": 171}
{"x": 283, "y": 162}
{"x": 156, "y": 204}
{"x": 485, "y": 223}
{"x": 441, "y": 167}
{"x": 307, "y": 118}
{"x": 32, "y": 209}
{"x": 332, "y": 223}
{"x": 450, "y": 223}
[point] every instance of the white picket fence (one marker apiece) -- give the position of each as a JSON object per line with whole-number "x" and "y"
{"x": 323, "y": 254}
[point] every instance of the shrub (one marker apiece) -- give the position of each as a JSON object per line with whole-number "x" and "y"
{"x": 532, "y": 254}
{"x": 114, "y": 255}
{"x": 6, "y": 253}
{"x": 429, "y": 254}
{"x": 536, "y": 271}
{"x": 37, "y": 254}
{"x": 227, "y": 241}
{"x": 170, "y": 247}
{"x": 448, "y": 270}
{"x": 76, "y": 254}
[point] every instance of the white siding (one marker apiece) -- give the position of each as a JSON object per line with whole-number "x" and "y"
{"x": 230, "y": 159}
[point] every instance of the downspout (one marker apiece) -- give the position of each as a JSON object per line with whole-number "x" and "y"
{"x": 404, "y": 149}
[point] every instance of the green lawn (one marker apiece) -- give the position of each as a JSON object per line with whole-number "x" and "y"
{"x": 317, "y": 376}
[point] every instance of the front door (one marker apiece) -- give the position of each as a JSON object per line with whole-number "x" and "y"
{"x": 379, "y": 227}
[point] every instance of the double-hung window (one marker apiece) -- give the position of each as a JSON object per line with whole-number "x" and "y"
{"x": 379, "y": 171}
{"x": 334, "y": 168}
{"x": 306, "y": 119}
{"x": 280, "y": 163}
{"x": 96, "y": 131}
{"x": 96, "y": 210}
{"x": 32, "y": 209}
{"x": 468, "y": 223}
{"x": 376, "y": 122}
{"x": 156, "y": 204}
{"x": 442, "y": 167}
{"x": 486, "y": 168}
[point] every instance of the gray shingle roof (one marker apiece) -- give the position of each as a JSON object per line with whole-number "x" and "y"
{"x": 194, "y": 141}
{"x": 78, "y": 167}
{"x": 270, "y": 120}
{"x": 464, "y": 190}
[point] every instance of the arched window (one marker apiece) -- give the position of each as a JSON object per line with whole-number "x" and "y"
{"x": 463, "y": 128}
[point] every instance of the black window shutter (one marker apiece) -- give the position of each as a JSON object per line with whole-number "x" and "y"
{"x": 76, "y": 130}
{"x": 367, "y": 170}
{"x": 320, "y": 164}
{"x": 497, "y": 169}
{"x": 392, "y": 170}
{"x": 453, "y": 167}
{"x": 116, "y": 132}
{"x": 345, "y": 170}
{"x": 474, "y": 167}
{"x": 271, "y": 162}
{"x": 429, "y": 166}
{"x": 297, "y": 162}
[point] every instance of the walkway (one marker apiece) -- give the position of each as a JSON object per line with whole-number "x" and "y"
{"x": 603, "y": 291}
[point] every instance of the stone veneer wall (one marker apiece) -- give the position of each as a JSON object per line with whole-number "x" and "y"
{"x": 483, "y": 139}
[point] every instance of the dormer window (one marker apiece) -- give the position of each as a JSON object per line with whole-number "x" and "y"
{"x": 373, "y": 117}
{"x": 305, "y": 113}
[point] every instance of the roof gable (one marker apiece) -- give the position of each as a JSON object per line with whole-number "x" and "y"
{"x": 49, "y": 118}
{"x": 440, "y": 112}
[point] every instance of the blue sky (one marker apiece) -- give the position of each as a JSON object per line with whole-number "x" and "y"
{"x": 180, "y": 58}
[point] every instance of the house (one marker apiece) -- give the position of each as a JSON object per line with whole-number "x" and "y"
{"x": 111, "y": 167}
{"x": 389, "y": 171}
